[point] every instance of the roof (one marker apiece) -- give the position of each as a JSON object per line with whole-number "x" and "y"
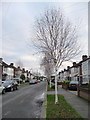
{"x": 4, "y": 64}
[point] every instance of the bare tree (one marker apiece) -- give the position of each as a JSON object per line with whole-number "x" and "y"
{"x": 47, "y": 66}
{"x": 58, "y": 38}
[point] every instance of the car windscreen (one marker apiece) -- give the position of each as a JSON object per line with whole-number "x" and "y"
{"x": 74, "y": 82}
{"x": 7, "y": 83}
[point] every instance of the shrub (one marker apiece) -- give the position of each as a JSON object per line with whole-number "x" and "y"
{"x": 53, "y": 86}
{"x": 66, "y": 81}
{"x": 22, "y": 77}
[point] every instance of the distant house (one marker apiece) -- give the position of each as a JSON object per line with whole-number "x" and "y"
{"x": 74, "y": 71}
{"x": 68, "y": 74}
{"x": 29, "y": 74}
{"x": 11, "y": 71}
{"x": 8, "y": 71}
{"x": 18, "y": 72}
{"x": 0, "y": 68}
{"x": 4, "y": 70}
{"x": 25, "y": 73}
{"x": 61, "y": 75}
{"x": 65, "y": 74}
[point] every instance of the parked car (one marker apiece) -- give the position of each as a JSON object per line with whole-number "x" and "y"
{"x": 38, "y": 81}
{"x": 2, "y": 88}
{"x": 73, "y": 85}
{"x": 27, "y": 80}
{"x": 19, "y": 80}
{"x": 10, "y": 85}
{"x": 33, "y": 81}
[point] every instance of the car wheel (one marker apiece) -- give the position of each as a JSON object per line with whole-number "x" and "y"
{"x": 16, "y": 88}
{"x": 12, "y": 89}
{"x": 3, "y": 92}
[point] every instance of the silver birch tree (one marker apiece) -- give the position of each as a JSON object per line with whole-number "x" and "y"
{"x": 57, "y": 37}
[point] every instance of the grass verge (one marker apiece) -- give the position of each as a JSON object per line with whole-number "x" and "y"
{"x": 60, "y": 110}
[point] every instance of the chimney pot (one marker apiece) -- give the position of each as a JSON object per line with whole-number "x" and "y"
{"x": 74, "y": 64}
{"x": 84, "y": 57}
{"x": 18, "y": 67}
{"x": 11, "y": 64}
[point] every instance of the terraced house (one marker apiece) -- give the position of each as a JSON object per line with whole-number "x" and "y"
{"x": 86, "y": 69}
{"x": 74, "y": 71}
{"x": 4, "y": 70}
{"x": 0, "y": 68}
{"x": 78, "y": 72}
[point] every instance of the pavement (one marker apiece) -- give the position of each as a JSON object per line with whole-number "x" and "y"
{"x": 79, "y": 104}
{"x": 44, "y": 105}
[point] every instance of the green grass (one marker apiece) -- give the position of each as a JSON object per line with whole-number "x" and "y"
{"x": 60, "y": 110}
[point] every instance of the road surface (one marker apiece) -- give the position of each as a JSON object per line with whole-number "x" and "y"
{"x": 25, "y": 102}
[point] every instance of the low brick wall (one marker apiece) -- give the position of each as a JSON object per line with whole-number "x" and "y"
{"x": 84, "y": 93}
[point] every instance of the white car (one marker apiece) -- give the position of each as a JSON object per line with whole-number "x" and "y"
{"x": 19, "y": 80}
{"x": 33, "y": 81}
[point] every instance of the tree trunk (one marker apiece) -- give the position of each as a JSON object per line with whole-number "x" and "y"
{"x": 50, "y": 83}
{"x": 56, "y": 95}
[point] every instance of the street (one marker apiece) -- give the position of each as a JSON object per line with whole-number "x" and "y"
{"x": 25, "y": 102}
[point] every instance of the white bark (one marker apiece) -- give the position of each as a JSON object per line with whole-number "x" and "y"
{"x": 50, "y": 83}
{"x": 56, "y": 90}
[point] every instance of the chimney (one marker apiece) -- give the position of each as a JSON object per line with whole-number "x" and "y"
{"x": 23, "y": 70}
{"x": 11, "y": 64}
{"x": 59, "y": 73}
{"x": 18, "y": 67}
{"x": 0, "y": 59}
{"x": 68, "y": 67}
{"x": 84, "y": 57}
{"x": 74, "y": 64}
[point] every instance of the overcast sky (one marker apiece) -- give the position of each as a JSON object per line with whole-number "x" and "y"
{"x": 17, "y": 28}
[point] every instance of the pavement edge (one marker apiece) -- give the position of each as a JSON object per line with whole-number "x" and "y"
{"x": 44, "y": 105}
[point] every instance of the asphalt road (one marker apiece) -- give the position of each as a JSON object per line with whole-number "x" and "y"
{"x": 25, "y": 102}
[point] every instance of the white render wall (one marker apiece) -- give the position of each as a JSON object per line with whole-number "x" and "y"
{"x": 10, "y": 72}
{"x": 89, "y": 69}
{"x": 0, "y": 69}
{"x": 85, "y": 71}
{"x": 18, "y": 73}
{"x": 88, "y": 28}
{"x": 62, "y": 77}
{"x": 74, "y": 73}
